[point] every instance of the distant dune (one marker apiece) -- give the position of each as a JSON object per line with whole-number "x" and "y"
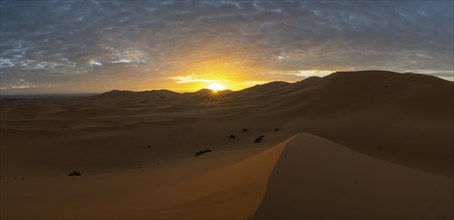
{"x": 351, "y": 145}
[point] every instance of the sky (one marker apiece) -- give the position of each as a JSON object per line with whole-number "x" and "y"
{"x": 96, "y": 46}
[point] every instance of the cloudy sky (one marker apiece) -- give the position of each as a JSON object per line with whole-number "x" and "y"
{"x": 95, "y": 46}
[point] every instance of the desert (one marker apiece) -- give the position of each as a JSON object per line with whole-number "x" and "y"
{"x": 350, "y": 145}
{"x": 226, "y": 109}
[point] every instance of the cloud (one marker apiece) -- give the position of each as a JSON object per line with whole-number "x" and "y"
{"x": 192, "y": 78}
{"x": 121, "y": 61}
{"x": 309, "y": 73}
{"x": 94, "y": 62}
{"x": 46, "y": 42}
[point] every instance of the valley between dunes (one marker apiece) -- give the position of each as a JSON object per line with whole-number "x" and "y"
{"x": 351, "y": 145}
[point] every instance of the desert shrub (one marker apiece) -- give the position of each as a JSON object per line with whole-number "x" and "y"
{"x": 276, "y": 129}
{"x": 244, "y": 130}
{"x": 75, "y": 173}
{"x": 200, "y": 152}
{"x": 259, "y": 139}
{"x": 232, "y": 136}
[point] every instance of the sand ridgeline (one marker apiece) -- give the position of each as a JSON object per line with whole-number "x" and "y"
{"x": 355, "y": 145}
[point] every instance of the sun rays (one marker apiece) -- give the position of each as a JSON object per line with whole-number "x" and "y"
{"x": 216, "y": 96}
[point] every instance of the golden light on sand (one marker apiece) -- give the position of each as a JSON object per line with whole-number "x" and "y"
{"x": 216, "y": 87}
{"x": 285, "y": 168}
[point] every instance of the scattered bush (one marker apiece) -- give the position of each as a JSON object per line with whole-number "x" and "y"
{"x": 259, "y": 139}
{"x": 75, "y": 173}
{"x": 276, "y": 129}
{"x": 232, "y": 136}
{"x": 200, "y": 152}
{"x": 244, "y": 130}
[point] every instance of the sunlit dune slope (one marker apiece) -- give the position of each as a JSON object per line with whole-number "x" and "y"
{"x": 226, "y": 184}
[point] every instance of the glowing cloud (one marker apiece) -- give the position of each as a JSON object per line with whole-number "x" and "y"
{"x": 191, "y": 78}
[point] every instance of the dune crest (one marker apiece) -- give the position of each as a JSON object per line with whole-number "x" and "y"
{"x": 233, "y": 192}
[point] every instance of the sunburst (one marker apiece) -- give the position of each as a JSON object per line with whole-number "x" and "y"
{"x": 216, "y": 87}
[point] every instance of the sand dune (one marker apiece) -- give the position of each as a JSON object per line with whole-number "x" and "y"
{"x": 371, "y": 144}
{"x": 319, "y": 179}
{"x": 177, "y": 188}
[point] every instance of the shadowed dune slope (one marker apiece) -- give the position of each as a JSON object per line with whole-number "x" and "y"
{"x": 318, "y": 179}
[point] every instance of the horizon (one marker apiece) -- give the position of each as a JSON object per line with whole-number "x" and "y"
{"x": 31, "y": 95}
{"x": 76, "y": 47}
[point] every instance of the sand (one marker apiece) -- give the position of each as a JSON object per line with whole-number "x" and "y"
{"x": 351, "y": 145}
{"x": 319, "y": 179}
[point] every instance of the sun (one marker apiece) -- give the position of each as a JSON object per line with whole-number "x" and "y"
{"x": 216, "y": 87}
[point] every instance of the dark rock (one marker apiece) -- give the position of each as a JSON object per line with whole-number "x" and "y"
{"x": 200, "y": 152}
{"x": 75, "y": 173}
{"x": 259, "y": 139}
